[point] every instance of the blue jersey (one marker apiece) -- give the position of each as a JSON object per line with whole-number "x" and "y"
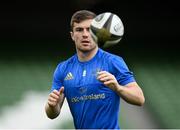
{"x": 92, "y": 104}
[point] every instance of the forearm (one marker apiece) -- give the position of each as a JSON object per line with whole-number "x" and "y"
{"x": 131, "y": 94}
{"x": 52, "y": 112}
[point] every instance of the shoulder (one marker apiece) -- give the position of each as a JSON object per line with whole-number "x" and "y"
{"x": 111, "y": 57}
{"x": 64, "y": 64}
{"x": 115, "y": 63}
{"x": 68, "y": 61}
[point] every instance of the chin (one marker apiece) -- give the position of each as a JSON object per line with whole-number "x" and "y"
{"x": 86, "y": 49}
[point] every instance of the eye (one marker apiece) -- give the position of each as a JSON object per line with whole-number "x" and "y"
{"x": 88, "y": 29}
{"x": 79, "y": 29}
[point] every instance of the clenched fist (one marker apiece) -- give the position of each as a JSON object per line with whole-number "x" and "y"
{"x": 55, "y": 97}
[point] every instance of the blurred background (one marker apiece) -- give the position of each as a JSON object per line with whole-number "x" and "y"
{"x": 35, "y": 38}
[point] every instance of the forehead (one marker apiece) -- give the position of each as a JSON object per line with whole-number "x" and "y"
{"x": 83, "y": 24}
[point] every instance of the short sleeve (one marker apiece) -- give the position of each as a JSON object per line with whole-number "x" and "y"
{"x": 121, "y": 71}
{"x": 57, "y": 78}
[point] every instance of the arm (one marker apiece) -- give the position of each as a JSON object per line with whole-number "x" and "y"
{"x": 54, "y": 103}
{"x": 131, "y": 92}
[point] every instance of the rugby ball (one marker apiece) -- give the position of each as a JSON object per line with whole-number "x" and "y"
{"x": 107, "y": 29}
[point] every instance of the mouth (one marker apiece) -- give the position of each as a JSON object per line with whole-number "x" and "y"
{"x": 85, "y": 42}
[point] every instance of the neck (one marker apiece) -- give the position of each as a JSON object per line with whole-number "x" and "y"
{"x": 86, "y": 56}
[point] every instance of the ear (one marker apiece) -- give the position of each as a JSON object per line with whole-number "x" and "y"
{"x": 72, "y": 35}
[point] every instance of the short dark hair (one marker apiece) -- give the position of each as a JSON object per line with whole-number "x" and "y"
{"x": 80, "y": 16}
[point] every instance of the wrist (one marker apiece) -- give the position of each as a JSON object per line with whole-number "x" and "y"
{"x": 52, "y": 111}
{"x": 119, "y": 89}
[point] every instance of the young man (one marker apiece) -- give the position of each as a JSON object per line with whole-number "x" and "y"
{"x": 92, "y": 81}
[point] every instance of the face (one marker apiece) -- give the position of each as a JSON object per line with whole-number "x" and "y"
{"x": 82, "y": 37}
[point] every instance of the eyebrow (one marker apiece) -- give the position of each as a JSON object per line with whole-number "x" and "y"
{"x": 81, "y": 28}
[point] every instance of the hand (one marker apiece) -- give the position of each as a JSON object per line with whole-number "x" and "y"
{"x": 108, "y": 79}
{"x": 56, "y": 97}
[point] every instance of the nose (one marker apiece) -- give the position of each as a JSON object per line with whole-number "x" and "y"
{"x": 86, "y": 32}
